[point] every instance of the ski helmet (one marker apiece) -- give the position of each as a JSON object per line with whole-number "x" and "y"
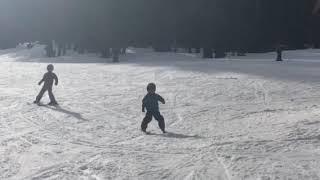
{"x": 151, "y": 87}
{"x": 50, "y": 67}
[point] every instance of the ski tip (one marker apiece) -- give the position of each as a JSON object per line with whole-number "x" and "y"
{"x": 146, "y": 132}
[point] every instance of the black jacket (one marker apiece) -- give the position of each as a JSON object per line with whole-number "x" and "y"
{"x": 150, "y": 101}
{"x": 48, "y": 79}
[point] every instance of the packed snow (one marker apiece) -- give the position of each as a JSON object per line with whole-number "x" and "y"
{"x": 233, "y": 118}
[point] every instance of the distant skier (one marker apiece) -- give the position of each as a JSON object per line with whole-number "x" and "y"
{"x": 279, "y": 53}
{"x": 48, "y": 79}
{"x": 279, "y": 49}
{"x": 150, "y": 102}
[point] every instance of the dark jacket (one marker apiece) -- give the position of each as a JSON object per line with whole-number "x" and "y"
{"x": 48, "y": 79}
{"x": 150, "y": 101}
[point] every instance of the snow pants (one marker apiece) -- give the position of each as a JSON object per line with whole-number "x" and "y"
{"x": 148, "y": 118}
{"x": 43, "y": 90}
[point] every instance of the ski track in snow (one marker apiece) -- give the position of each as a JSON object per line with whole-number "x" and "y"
{"x": 223, "y": 125}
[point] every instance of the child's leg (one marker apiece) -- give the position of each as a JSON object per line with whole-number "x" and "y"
{"x": 160, "y": 120}
{"x": 43, "y": 90}
{"x": 51, "y": 96}
{"x": 146, "y": 120}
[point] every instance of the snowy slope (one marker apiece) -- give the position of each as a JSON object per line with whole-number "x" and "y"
{"x": 248, "y": 118}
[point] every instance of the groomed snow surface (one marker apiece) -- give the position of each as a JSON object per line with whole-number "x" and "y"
{"x": 249, "y": 118}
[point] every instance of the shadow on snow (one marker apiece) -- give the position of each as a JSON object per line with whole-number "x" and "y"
{"x": 177, "y": 135}
{"x": 73, "y": 114}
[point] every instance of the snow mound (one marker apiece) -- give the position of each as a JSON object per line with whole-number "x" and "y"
{"x": 22, "y": 53}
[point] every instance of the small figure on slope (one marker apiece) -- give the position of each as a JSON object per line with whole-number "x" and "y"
{"x": 150, "y": 102}
{"x": 279, "y": 49}
{"x": 48, "y": 79}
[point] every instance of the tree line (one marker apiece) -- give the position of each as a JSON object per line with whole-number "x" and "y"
{"x": 211, "y": 25}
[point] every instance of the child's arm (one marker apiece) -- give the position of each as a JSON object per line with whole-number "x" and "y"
{"x": 56, "y": 79}
{"x": 143, "y": 105}
{"x": 161, "y": 99}
{"x": 143, "y": 108}
{"x": 42, "y": 80}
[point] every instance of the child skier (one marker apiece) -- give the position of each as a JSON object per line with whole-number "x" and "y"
{"x": 48, "y": 79}
{"x": 150, "y": 102}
